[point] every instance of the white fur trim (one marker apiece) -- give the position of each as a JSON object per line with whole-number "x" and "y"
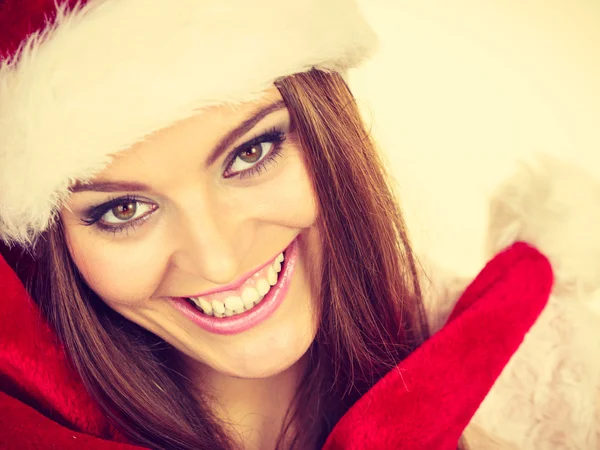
{"x": 554, "y": 206}
{"x": 110, "y": 73}
{"x": 548, "y": 395}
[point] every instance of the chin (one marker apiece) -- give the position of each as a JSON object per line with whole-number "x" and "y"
{"x": 264, "y": 353}
{"x": 268, "y": 369}
{"x": 281, "y": 342}
{"x": 273, "y": 355}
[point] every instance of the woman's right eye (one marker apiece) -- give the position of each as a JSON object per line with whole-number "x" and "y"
{"x": 126, "y": 212}
{"x": 119, "y": 214}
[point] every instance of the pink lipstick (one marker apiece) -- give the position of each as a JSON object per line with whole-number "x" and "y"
{"x": 239, "y": 323}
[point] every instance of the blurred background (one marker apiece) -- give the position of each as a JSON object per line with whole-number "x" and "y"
{"x": 460, "y": 91}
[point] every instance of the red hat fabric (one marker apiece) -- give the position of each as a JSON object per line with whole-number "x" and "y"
{"x": 20, "y": 19}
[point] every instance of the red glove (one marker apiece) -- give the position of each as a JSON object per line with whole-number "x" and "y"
{"x": 428, "y": 400}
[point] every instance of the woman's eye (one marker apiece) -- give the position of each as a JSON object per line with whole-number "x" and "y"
{"x": 126, "y": 212}
{"x": 250, "y": 156}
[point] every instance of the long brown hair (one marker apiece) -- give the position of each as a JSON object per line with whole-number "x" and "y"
{"x": 370, "y": 306}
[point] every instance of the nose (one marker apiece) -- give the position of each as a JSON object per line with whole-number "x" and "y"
{"x": 207, "y": 246}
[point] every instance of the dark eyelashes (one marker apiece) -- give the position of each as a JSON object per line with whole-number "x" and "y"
{"x": 262, "y": 165}
{"x": 95, "y": 213}
{"x": 274, "y": 135}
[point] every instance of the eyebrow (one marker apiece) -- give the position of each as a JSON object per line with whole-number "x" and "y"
{"x": 242, "y": 129}
{"x": 109, "y": 186}
{"x": 222, "y": 145}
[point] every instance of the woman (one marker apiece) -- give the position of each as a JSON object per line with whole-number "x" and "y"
{"x": 215, "y": 244}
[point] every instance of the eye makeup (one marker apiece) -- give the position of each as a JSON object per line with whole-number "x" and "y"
{"x": 274, "y": 136}
{"x": 94, "y": 215}
{"x": 97, "y": 215}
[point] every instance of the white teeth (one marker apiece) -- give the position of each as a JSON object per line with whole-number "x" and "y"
{"x": 249, "y": 296}
{"x": 262, "y": 286}
{"x": 206, "y": 306}
{"x": 202, "y": 304}
{"x": 234, "y": 303}
{"x": 218, "y": 308}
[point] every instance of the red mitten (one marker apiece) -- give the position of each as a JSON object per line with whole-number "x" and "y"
{"x": 426, "y": 402}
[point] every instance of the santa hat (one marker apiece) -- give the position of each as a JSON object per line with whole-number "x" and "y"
{"x": 81, "y": 81}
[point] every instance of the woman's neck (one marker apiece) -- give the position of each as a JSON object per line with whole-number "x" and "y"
{"x": 253, "y": 410}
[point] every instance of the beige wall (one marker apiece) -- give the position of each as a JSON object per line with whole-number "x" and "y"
{"x": 462, "y": 89}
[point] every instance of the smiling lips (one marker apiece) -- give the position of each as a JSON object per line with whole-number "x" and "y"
{"x": 249, "y": 294}
{"x": 235, "y": 310}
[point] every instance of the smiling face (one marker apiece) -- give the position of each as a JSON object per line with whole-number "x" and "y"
{"x": 183, "y": 234}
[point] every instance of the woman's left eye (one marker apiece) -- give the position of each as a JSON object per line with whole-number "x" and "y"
{"x": 249, "y": 157}
{"x": 252, "y": 157}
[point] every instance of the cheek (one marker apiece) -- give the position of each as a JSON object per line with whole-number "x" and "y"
{"x": 118, "y": 276}
{"x": 288, "y": 199}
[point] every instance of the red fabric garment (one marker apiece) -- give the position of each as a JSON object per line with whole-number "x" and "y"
{"x": 424, "y": 403}
{"x": 24, "y": 18}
